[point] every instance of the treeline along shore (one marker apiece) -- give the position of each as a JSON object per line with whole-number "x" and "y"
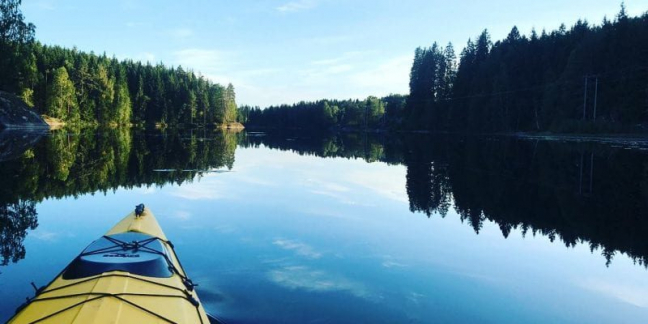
{"x": 587, "y": 78}
{"x": 88, "y": 89}
{"x": 582, "y": 79}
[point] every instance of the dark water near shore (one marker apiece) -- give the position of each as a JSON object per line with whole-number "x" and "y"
{"x": 351, "y": 228}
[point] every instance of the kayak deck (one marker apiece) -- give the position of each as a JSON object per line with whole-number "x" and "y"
{"x": 119, "y": 296}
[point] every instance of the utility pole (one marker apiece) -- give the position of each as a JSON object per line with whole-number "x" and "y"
{"x": 595, "y": 97}
{"x": 585, "y": 97}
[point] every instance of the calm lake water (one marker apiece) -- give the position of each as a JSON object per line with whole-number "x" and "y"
{"x": 297, "y": 228}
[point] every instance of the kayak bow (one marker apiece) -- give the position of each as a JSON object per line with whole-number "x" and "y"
{"x": 130, "y": 275}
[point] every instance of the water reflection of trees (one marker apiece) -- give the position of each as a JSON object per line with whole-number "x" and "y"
{"x": 71, "y": 164}
{"x": 15, "y": 220}
{"x": 367, "y": 146}
{"x": 594, "y": 194}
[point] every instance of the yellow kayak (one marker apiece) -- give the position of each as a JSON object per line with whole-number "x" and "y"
{"x": 130, "y": 275}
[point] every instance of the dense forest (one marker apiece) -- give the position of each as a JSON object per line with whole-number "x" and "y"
{"x": 578, "y": 79}
{"x": 371, "y": 113}
{"x": 84, "y": 88}
{"x": 586, "y": 78}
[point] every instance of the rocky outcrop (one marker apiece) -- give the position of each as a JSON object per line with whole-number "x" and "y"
{"x": 15, "y": 114}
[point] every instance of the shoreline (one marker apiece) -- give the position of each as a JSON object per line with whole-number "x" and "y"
{"x": 571, "y": 137}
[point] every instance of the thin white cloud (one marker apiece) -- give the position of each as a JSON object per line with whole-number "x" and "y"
{"x": 210, "y": 63}
{"x": 337, "y": 69}
{"x": 259, "y": 72}
{"x": 393, "y": 264}
{"x": 181, "y": 33}
{"x": 145, "y": 57}
{"x": 415, "y": 297}
{"x": 147, "y": 191}
{"x": 274, "y": 94}
{"x": 322, "y": 74}
{"x": 225, "y": 229}
{"x": 330, "y": 189}
{"x": 201, "y": 191}
{"x": 132, "y": 24}
{"x": 335, "y": 187}
{"x": 242, "y": 178}
{"x": 391, "y": 76}
{"x": 345, "y": 57}
{"x": 295, "y": 6}
{"x": 199, "y": 58}
{"x": 182, "y": 215}
{"x": 350, "y": 75}
{"x": 631, "y": 294}
{"x": 298, "y": 247}
{"x": 301, "y": 277}
{"x": 327, "y": 40}
{"x": 390, "y": 262}
{"x": 130, "y": 4}
{"x": 390, "y": 185}
{"x": 328, "y": 61}
{"x": 46, "y": 236}
{"x": 43, "y": 5}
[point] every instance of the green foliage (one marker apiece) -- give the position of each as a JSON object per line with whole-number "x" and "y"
{"x": 61, "y": 97}
{"x": 122, "y": 103}
{"x": 65, "y": 164}
{"x": 15, "y": 219}
{"x": 368, "y": 114}
{"x": 68, "y": 164}
{"x": 15, "y": 37}
{"x": 533, "y": 83}
{"x": 112, "y": 92}
{"x": 13, "y": 28}
{"x": 230, "y": 105}
{"x": 431, "y": 80}
{"x": 27, "y": 96}
{"x": 106, "y": 91}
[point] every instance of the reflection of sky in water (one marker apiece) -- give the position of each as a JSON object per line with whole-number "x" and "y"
{"x": 299, "y": 239}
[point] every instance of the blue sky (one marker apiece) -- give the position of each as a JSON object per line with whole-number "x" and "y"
{"x": 284, "y": 51}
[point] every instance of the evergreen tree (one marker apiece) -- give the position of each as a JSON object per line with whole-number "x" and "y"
{"x": 230, "y": 104}
{"x": 15, "y": 37}
{"x": 140, "y": 102}
{"x": 104, "y": 94}
{"x": 61, "y": 100}
{"x": 536, "y": 83}
{"x": 122, "y": 103}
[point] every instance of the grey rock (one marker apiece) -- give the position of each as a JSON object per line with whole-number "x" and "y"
{"x": 15, "y": 114}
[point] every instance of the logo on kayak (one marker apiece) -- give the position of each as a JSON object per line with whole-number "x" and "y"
{"x": 121, "y": 255}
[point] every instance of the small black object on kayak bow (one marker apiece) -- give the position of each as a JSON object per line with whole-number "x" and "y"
{"x": 139, "y": 210}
